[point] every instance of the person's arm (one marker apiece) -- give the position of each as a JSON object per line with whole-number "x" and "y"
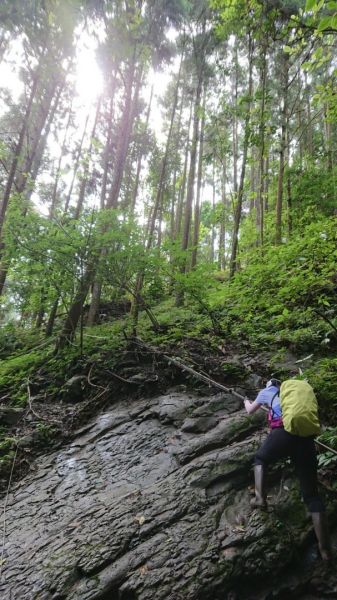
{"x": 251, "y": 407}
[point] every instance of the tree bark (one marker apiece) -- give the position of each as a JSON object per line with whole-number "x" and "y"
{"x": 222, "y": 238}
{"x": 12, "y": 173}
{"x": 238, "y": 209}
{"x": 140, "y": 158}
{"x": 199, "y": 180}
{"x": 182, "y": 188}
{"x": 76, "y": 166}
{"x": 84, "y": 177}
{"x": 52, "y": 317}
{"x": 97, "y": 285}
{"x": 75, "y": 311}
{"x": 191, "y": 180}
{"x": 235, "y": 117}
{"x": 125, "y": 129}
{"x": 35, "y": 165}
{"x": 44, "y": 112}
{"x": 59, "y": 164}
{"x": 279, "y": 198}
{"x": 261, "y": 174}
{"x": 212, "y": 248}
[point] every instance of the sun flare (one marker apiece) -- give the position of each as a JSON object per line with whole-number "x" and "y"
{"x": 89, "y": 79}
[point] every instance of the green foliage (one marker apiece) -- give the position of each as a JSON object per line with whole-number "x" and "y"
{"x": 313, "y": 190}
{"x": 45, "y": 431}
{"x": 276, "y": 295}
{"x": 329, "y": 438}
{"x": 323, "y": 377}
{"x": 25, "y": 363}
{"x": 6, "y": 444}
{"x": 7, "y": 452}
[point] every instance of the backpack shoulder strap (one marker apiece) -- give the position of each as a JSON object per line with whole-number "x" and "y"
{"x": 272, "y": 400}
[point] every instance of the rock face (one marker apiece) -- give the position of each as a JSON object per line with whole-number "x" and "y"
{"x": 151, "y": 501}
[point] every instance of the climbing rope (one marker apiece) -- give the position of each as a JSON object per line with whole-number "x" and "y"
{"x": 211, "y": 382}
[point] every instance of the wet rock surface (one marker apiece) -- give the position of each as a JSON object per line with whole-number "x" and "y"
{"x": 151, "y": 501}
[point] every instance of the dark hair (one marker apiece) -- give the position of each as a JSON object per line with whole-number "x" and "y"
{"x": 275, "y": 382}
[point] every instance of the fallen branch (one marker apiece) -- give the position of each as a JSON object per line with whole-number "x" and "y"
{"x": 183, "y": 367}
{"x": 204, "y": 378}
{"x": 326, "y": 447}
{"x": 118, "y": 377}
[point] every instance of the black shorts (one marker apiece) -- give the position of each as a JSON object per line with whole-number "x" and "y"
{"x": 302, "y": 452}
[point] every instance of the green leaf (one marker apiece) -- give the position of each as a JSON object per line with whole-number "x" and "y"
{"x": 318, "y": 53}
{"x": 325, "y": 23}
{"x": 287, "y": 49}
{"x": 310, "y": 5}
{"x": 306, "y": 65}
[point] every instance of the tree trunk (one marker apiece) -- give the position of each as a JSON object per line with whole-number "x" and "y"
{"x": 266, "y": 184}
{"x": 52, "y": 317}
{"x": 212, "y": 248}
{"x": 75, "y": 311}
{"x": 76, "y": 166}
{"x": 106, "y": 154}
{"x": 253, "y": 187}
{"x": 235, "y": 117}
{"x": 41, "y": 146}
{"x": 34, "y": 134}
{"x": 289, "y": 198}
{"x": 279, "y": 198}
{"x": 222, "y": 238}
{"x": 261, "y": 175}
{"x": 58, "y": 170}
{"x": 140, "y": 158}
{"x": 84, "y": 177}
{"x": 191, "y": 180}
{"x": 327, "y": 140}
{"x": 300, "y": 120}
{"x": 97, "y": 285}
{"x": 309, "y": 132}
{"x": 238, "y": 210}
{"x": 12, "y": 173}
{"x": 125, "y": 129}
{"x": 181, "y": 196}
{"x": 197, "y": 201}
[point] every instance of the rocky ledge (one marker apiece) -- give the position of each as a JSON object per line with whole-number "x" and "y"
{"x": 151, "y": 501}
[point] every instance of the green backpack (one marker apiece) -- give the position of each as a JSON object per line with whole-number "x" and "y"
{"x": 299, "y": 408}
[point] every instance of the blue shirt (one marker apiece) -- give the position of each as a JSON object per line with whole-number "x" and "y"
{"x": 266, "y": 397}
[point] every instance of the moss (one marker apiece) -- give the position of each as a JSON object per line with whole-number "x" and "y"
{"x": 7, "y": 444}
{"x": 7, "y": 453}
{"x": 234, "y": 370}
{"x": 14, "y": 370}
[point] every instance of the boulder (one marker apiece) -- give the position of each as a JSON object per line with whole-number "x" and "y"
{"x": 73, "y": 390}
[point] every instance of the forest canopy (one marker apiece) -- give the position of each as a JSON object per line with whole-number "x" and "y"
{"x": 168, "y": 153}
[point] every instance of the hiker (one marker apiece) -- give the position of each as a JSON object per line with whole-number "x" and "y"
{"x": 282, "y": 444}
